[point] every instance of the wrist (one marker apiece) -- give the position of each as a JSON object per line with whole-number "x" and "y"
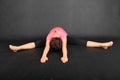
{"x": 44, "y": 56}
{"x": 64, "y": 56}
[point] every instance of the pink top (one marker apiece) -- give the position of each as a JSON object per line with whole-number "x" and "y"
{"x": 59, "y": 31}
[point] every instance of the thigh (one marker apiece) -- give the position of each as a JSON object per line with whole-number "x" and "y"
{"x": 41, "y": 42}
{"x": 76, "y": 41}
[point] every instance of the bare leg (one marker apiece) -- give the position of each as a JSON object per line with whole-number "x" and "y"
{"x": 98, "y": 44}
{"x": 30, "y": 45}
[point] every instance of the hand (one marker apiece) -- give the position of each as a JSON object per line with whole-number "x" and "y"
{"x": 64, "y": 59}
{"x": 43, "y": 59}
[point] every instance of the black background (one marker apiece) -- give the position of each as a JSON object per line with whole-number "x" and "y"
{"x": 30, "y": 19}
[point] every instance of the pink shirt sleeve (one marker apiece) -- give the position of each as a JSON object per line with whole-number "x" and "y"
{"x": 49, "y": 36}
{"x": 63, "y": 36}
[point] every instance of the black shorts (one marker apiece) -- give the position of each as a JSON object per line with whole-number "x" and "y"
{"x": 76, "y": 41}
{"x": 41, "y": 42}
{"x": 70, "y": 41}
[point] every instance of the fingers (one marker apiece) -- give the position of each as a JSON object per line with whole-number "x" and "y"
{"x": 43, "y": 59}
{"x": 64, "y": 59}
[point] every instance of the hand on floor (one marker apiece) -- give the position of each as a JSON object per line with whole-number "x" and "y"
{"x": 43, "y": 59}
{"x": 64, "y": 59}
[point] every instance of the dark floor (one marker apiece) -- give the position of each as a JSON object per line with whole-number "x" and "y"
{"x": 84, "y": 64}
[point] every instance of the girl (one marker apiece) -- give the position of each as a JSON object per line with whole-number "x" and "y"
{"x": 58, "y": 39}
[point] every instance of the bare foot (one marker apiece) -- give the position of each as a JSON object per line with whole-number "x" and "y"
{"x": 13, "y": 48}
{"x": 107, "y": 44}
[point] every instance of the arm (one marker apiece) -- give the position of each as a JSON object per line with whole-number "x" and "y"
{"x": 45, "y": 52}
{"x": 64, "y": 58}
